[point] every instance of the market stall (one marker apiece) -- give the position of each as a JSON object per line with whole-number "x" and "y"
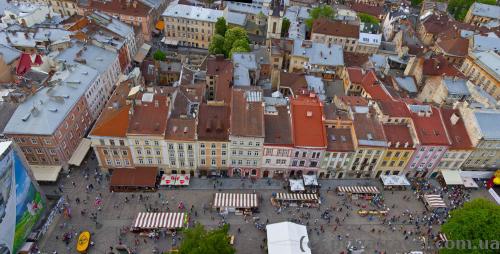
{"x": 175, "y": 180}
{"x": 450, "y": 177}
{"x": 433, "y": 201}
{"x": 295, "y": 199}
{"x": 133, "y": 179}
{"x": 296, "y": 185}
{"x": 357, "y": 192}
{"x": 311, "y": 183}
{"x": 239, "y": 203}
{"x": 148, "y": 221}
{"x": 469, "y": 182}
{"x": 394, "y": 182}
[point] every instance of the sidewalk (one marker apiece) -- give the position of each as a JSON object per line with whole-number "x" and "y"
{"x": 271, "y": 184}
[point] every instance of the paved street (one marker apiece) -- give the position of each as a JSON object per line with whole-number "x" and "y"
{"x": 116, "y": 213}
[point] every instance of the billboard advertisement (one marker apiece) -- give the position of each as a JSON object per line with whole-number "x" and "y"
{"x": 21, "y": 203}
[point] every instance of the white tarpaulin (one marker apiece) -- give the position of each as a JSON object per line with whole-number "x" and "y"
{"x": 80, "y": 152}
{"x": 43, "y": 173}
{"x": 235, "y": 200}
{"x": 469, "y": 182}
{"x": 310, "y": 180}
{"x": 434, "y": 201}
{"x": 452, "y": 177}
{"x": 159, "y": 220}
{"x": 296, "y": 185}
{"x": 287, "y": 238}
{"x": 477, "y": 174}
{"x": 393, "y": 180}
{"x": 296, "y": 196}
{"x": 494, "y": 194}
{"x": 359, "y": 189}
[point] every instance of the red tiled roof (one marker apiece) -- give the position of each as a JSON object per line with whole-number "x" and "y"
{"x": 355, "y": 74}
{"x": 213, "y": 122}
{"x": 457, "y": 133}
{"x": 454, "y": 46}
{"x": 181, "y": 129}
{"x": 375, "y": 11}
{"x": 307, "y": 122}
{"x": 247, "y": 118}
{"x": 224, "y": 83}
{"x": 120, "y": 7}
{"x": 439, "y": 66}
{"x": 150, "y": 118}
{"x": 339, "y": 140}
{"x": 435, "y": 23}
{"x": 113, "y": 121}
{"x": 353, "y": 100}
{"x": 368, "y": 128}
{"x": 278, "y": 127}
{"x": 394, "y": 108}
{"x": 335, "y": 28}
{"x": 430, "y": 129}
{"x": 352, "y": 59}
{"x": 24, "y": 64}
{"x": 374, "y": 87}
{"x": 395, "y": 133}
{"x": 296, "y": 81}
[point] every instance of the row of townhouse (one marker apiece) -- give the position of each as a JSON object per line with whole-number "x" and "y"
{"x": 242, "y": 133}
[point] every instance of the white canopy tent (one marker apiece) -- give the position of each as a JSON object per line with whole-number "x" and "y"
{"x": 297, "y": 185}
{"x": 469, "y": 182}
{"x": 394, "y": 180}
{"x": 452, "y": 177}
{"x": 477, "y": 174}
{"x": 80, "y": 152}
{"x": 44, "y": 173}
{"x": 310, "y": 180}
{"x": 287, "y": 238}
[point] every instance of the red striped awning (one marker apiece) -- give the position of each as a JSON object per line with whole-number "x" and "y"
{"x": 236, "y": 200}
{"x": 359, "y": 189}
{"x": 159, "y": 220}
{"x": 295, "y": 196}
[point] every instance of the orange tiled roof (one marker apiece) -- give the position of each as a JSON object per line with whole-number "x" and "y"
{"x": 113, "y": 121}
{"x": 307, "y": 122}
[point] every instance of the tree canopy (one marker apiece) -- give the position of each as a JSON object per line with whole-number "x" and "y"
{"x": 285, "y": 26}
{"x": 159, "y": 55}
{"x": 477, "y": 220}
{"x": 234, "y": 40}
{"x": 220, "y": 26}
{"x": 198, "y": 240}
{"x": 366, "y": 18}
{"x": 458, "y": 8}
{"x": 322, "y": 11}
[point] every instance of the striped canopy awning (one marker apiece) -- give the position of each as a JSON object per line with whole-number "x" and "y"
{"x": 236, "y": 200}
{"x": 295, "y": 196}
{"x": 159, "y": 220}
{"x": 359, "y": 189}
{"x": 434, "y": 201}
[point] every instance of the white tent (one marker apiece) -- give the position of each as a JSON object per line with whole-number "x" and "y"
{"x": 477, "y": 174}
{"x": 310, "y": 180}
{"x": 469, "y": 182}
{"x": 296, "y": 185}
{"x": 287, "y": 238}
{"x": 452, "y": 177}
{"x": 394, "y": 180}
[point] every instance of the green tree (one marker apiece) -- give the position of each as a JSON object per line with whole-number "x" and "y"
{"x": 285, "y": 26}
{"x": 216, "y": 45}
{"x": 366, "y": 18}
{"x": 477, "y": 220}
{"x": 232, "y": 35}
{"x": 220, "y": 26}
{"x": 322, "y": 11}
{"x": 198, "y": 240}
{"x": 459, "y": 8}
{"x": 416, "y": 2}
{"x": 159, "y": 55}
